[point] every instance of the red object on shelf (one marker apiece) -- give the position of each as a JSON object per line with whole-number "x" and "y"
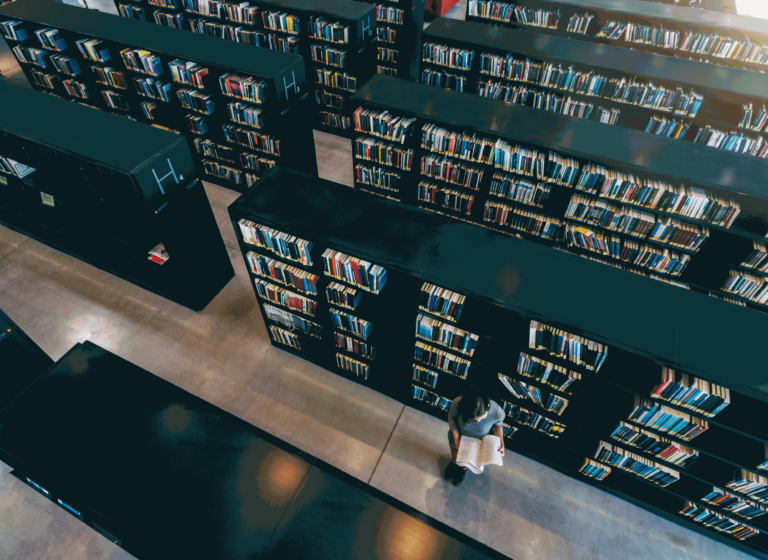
{"x": 439, "y": 7}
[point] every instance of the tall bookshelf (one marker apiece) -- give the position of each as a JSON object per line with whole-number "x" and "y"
{"x": 334, "y": 37}
{"x": 399, "y": 28}
{"x": 270, "y": 128}
{"x": 23, "y": 360}
{"x": 668, "y": 96}
{"x": 504, "y": 301}
{"x": 570, "y": 162}
{"x": 645, "y": 16}
{"x": 113, "y": 193}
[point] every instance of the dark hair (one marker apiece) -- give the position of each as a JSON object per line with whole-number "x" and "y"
{"x": 473, "y": 405}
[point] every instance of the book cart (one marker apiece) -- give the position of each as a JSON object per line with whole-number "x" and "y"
{"x": 111, "y": 192}
{"x": 553, "y": 179}
{"x": 641, "y": 87}
{"x": 680, "y": 31}
{"x": 334, "y": 37}
{"x": 619, "y": 352}
{"x": 242, "y": 111}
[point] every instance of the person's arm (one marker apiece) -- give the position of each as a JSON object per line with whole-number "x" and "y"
{"x": 497, "y": 431}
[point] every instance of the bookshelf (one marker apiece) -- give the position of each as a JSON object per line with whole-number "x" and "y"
{"x": 334, "y": 37}
{"x": 23, "y": 360}
{"x": 516, "y": 308}
{"x": 532, "y": 196}
{"x": 530, "y": 68}
{"x": 399, "y": 28}
{"x": 110, "y": 192}
{"x": 187, "y": 83}
{"x": 684, "y": 23}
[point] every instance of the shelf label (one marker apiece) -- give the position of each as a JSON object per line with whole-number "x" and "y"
{"x": 161, "y": 179}
{"x": 47, "y": 199}
{"x": 292, "y": 85}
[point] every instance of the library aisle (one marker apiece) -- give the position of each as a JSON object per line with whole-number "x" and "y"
{"x": 524, "y": 510}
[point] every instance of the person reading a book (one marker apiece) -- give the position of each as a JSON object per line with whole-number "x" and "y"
{"x": 473, "y": 415}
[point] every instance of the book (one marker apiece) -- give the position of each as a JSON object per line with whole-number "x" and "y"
{"x": 595, "y": 470}
{"x": 159, "y": 254}
{"x": 475, "y": 453}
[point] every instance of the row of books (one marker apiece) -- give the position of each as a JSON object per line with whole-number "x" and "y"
{"x": 247, "y": 88}
{"x": 369, "y": 277}
{"x": 636, "y": 465}
{"x": 387, "y": 55}
{"x": 667, "y": 420}
{"x": 149, "y": 87}
{"x": 293, "y": 321}
{"x": 132, "y": 12}
{"x": 196, "y": 123}
{"x": 442, "y": 79}
{"x": 335, "y": 120}
{"x": 442, "y": 360}
{"x": 443, "y": 55}
{"x": 718, "y": 522}
{"x": 93, "y": 49}
{"x": 187, "y": 72}
{"x": 342, "y": 296}
{"x": 256, "y": 163}
{"x": 711, "y": 44}
{"x": 383, "y": 124}
{"x": 241, "y": 12}
{"x": 631, "y": 90}
{"x": 174, "y": 21}
{"x": 237, "y": 34}
{"x": 251, "y": 139}
{"x": 749, "y": 286}
{"x": 287, "y": 246}
{"x": 13, "y": 30}
{"x": 115, "y": 100}
{"x": 221, "y": 171}
{"x": 378, "y": 176}
{"x": 732, "y": 504}
{"x": 350, "y": 323}
{"x": 386, "y": 35}
{"x": 353, "y": 345}
{"x": 441, "y": 302}
{"x": 758, "y": 259}
{"x": 758, "y": 122}
{"x": 15, "y": 168}
{"x": 579, "y": 23}
{"x": 595, "y": 470}
{"x": 751, "y": 484}
{"x": 31, "y": 56}
{"x": 447, "y": 335}
{"x": 543, "y": 371}
{"x": 447, "y": 198}
{"x": 390, "y": 14}
{"x": 565, "y": 345}
{"x": 328, "y": 99}
{"x": 523, "y": 220}
{"x": 301, "y": 280}
{"x": 457, "y": 144}
{"x": 196, "y": 101}
{"x": 451, "y": 171}
{"x": 732, "y": 141}
{"x": 320, "y": 28}
{"x": 280, "y": 21}
{"x": 533, "y": 420}
{"x": 671, "y": 128}
{"x": 627, "y": 251}
{"x": 373, "y": 149}
{"x": 245, "y": 114}
{"x": 51, "y": 39}
{"x": 696, "y": 394}
{"x": 654, "y": 445}
{"x": 433, "y": 399}
{"x": 358, "y": 368}
{"x": 328, "y": 55}
{"x": 286, "y": 298}
{"x": 500, "y": 11}
{"x": 425, "y": 376}
{"x": 636, "y": 223}
{"x": 285, "y": 337}
{"x": 332, "y": 78}
{"x": 141, "y": 60}
{"x": 523, "y": 391}
{"x": 110, "y": 77}
{"x": 44, "y": 80}
{"x": 212, "y": 149}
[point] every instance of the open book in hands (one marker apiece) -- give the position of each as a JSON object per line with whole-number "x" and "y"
{"x": 476, "y": 453}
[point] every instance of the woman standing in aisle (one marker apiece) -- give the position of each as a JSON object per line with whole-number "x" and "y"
{"x": 471, "y": 415}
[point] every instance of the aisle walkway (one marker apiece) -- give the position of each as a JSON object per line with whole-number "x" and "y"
{"x": 524, "y": 510}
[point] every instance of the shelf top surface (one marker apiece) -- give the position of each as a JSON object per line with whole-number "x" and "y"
{"x": 171, "y": 470}
{"x": 679, "y": 14}
{"x": 676, "y": 326}
{"x": 95, "y": 135}
{"x": 375, "y": 232}
{"x": 615, "y": 146}
{"x": 265, "y": 63}
{"x": 337, "y": 8}
{"x": 687, "y": 73}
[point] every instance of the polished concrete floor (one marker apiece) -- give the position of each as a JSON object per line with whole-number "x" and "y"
{"x": 524, "y": 510}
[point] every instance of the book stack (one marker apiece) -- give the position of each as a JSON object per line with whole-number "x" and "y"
{"x": 636, "y": 465}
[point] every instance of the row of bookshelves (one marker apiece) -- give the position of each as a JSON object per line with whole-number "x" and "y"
{"x": 676, "y": 99}
{"x": 178, "y": 83}
{"x": 651, "y": 226}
